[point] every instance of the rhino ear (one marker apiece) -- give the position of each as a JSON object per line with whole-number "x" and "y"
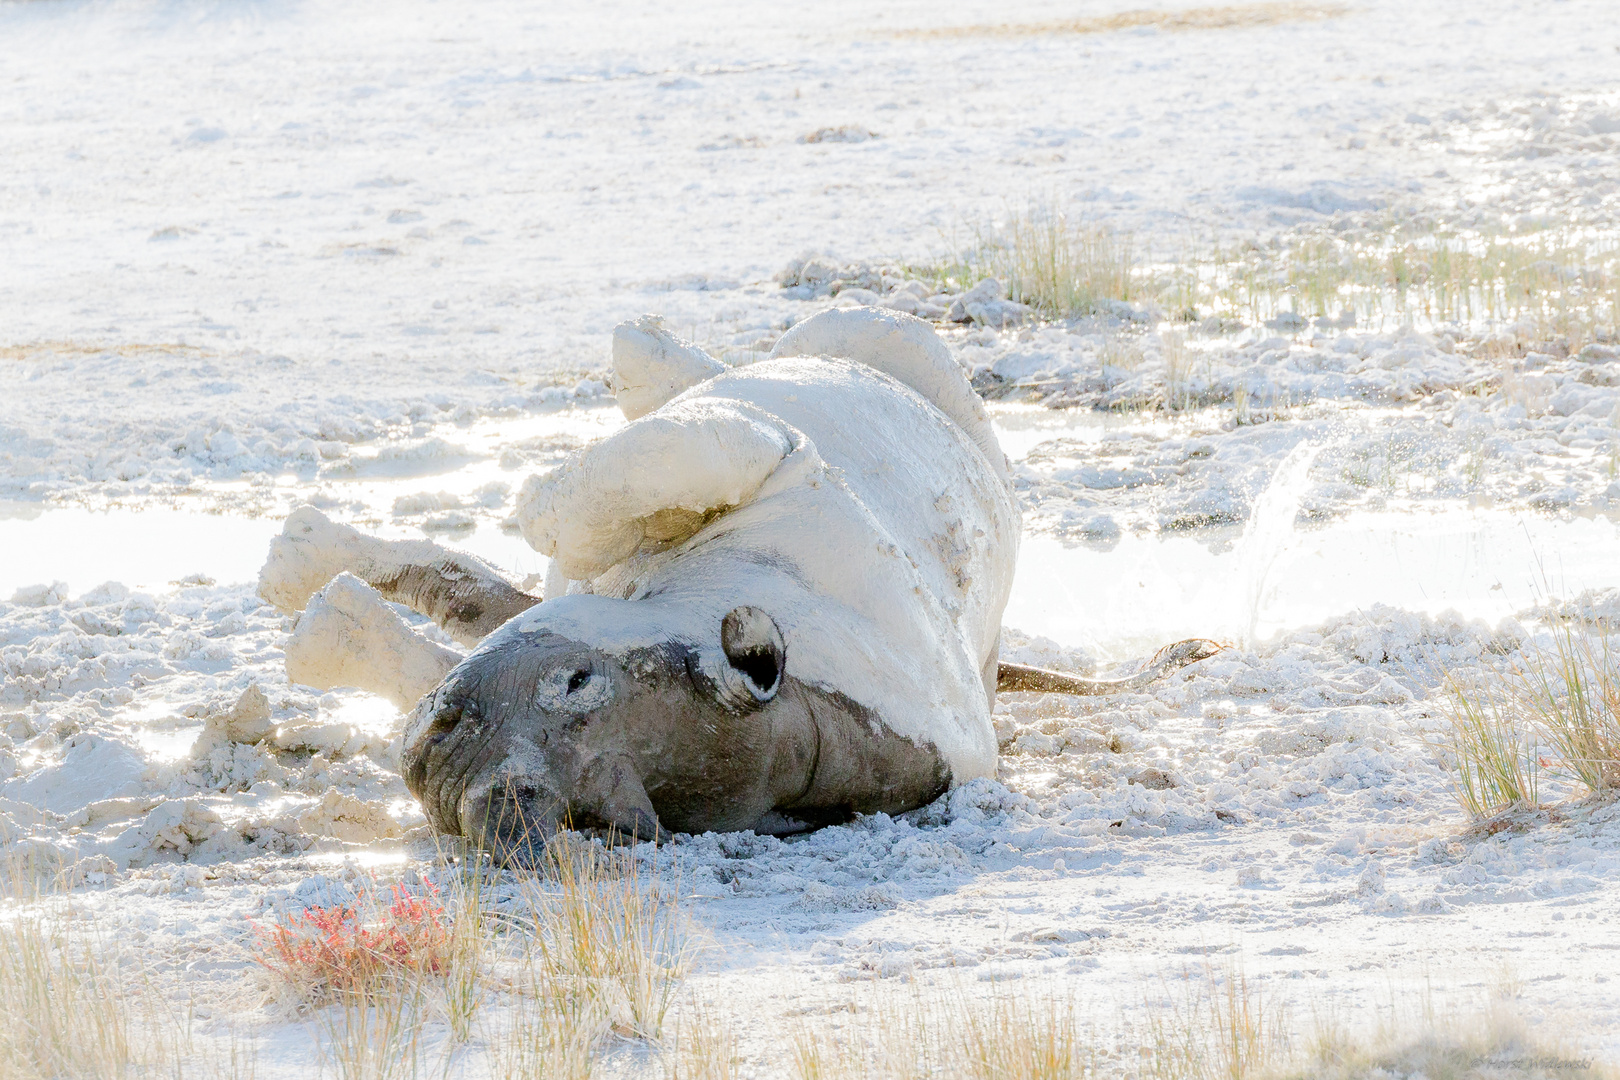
{"x": 754, "y": 649}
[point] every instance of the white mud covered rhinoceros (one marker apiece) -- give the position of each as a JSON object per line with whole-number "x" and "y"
{"x": 774, "y": 602}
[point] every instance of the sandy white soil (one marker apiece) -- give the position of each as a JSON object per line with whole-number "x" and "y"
{"x": 370, "y": 257}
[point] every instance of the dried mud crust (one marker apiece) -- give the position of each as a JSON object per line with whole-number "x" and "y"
{"x": 138, "y": 730}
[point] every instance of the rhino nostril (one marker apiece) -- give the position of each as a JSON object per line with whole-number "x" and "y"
{"x": 446, "y": 719}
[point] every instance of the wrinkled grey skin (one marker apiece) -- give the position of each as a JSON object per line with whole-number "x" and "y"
{"x": 535, "y": 730}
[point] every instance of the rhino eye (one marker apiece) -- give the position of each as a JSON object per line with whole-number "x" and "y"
{"x": 575, "y": 689}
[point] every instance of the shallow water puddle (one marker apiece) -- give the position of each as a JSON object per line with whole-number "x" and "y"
{"x": 154, "y": 548}
{"x": 369, "y": 859}
{"x": 1021, "y": 428}
{"x": 367, "y": 713}
{"x": 160, "y": 732}
{"x": 149, "y": 548}
{"x": 1144, "y": 591}
{"x": 1150, "y": 590}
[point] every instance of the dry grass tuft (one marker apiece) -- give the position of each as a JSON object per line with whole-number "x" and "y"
{"x": 1178, "y": 371}
{"x": 1571, "y": 695}
{"x": 74, "y": 1006}
{"x": 1507, "y": 289}
{"x": 549, "y": 1035}
{"x": 603, "y": 951}
{"x": 463, "y": 988}
{"x": 610, "y": 931}
{"x": 1221, "y": 1028}
{"x": 1038, "y": 1039}
{"x": 66, "y": 1013}
{"x": 1063, "y": 267}
{"x": 1004, "y": 1038}
{"x": 1121, "y": 351}
{"x": 1555, "y": 709}
{"x": 1232, "y": 17}
{"x": 593, "y": 944}
{"x": 702, "y": 1048}
{"x": 376, "y": 1034}
{"x": 1491, "y": 1044}
{"x": 1494, "y": 757}
{"x": 1546, "y": 283}
{"x": 1060, "y": 266}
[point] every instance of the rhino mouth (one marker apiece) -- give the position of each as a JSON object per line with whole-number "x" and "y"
{"x": 463, "y": 777}
{"x": 513, "y": 822}
{"x": 516, "y": 822}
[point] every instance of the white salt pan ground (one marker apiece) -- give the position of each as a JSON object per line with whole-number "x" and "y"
{"x": 1310, "y": 829}
{"x": 369, "y": 257}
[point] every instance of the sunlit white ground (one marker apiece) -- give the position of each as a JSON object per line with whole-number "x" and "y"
{"x": 369, "y": 256}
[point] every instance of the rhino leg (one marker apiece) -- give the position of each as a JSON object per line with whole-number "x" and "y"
{"x": 347, "y": 635}
{"x": 462, "y": 593}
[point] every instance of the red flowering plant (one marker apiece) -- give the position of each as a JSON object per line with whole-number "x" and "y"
{"x": 325, "y": 951}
